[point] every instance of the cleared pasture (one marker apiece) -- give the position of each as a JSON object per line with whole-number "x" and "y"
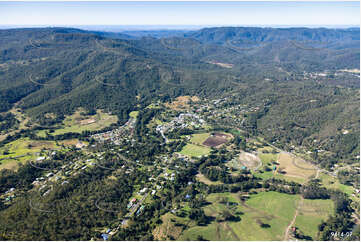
{"x": 192, "y": 150}
{"x": 311, "y": 214}
{"x": 333, "y": 183}
{"x": 295, "y": 166}
{"x": 134, "y": 114}
{"x": 200, "y": 177}
{"x": 21, "y": 151}
{"x": 199, "y": 138}
{"x": 77, "y": 123}
{"x": 271, "y": 208}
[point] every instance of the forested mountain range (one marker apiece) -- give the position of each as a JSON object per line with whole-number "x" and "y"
{"x": 56, "y": 70}
{"x": 250, "y": 35}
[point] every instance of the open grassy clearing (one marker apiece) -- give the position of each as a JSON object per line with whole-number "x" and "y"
{"x": 271, "y": 174}
{"x": 182, "y": 102}
{"x": 71, "y": 142}
{"x": 310, "y": 215}
{"x": 199, "y": 138}
{"x": 295, "y": 166}
{"x": 154, "y": 123}
{"x": 22, "y": 150}
{"x": 24, "y": 123}
{"x": 267, "y": 157}
{"x": 134, "y": 114}
{"x": 22, "y": 118}
{"x": 169, "y": 229}
{"x": 25, "y": 145}
{"x": 77, "y": 123}
{"x": 333, "y": 183}
{"x": 272, "y": 208}
{"x": 25, "y": 149}
{"x": 214, "y": 231}
{"x": 200, "y": 177}
{"x": 194, "y": 150}
{"x": 11, "y": 164}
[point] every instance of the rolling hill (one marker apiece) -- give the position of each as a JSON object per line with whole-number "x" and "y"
{"x": 57, "y": 70}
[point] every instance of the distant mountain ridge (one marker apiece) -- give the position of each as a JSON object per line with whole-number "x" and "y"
{"x": 60, "y": 69}
{"x": 244, "y": 35}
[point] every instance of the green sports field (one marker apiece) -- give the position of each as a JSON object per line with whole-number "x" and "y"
{"x": 199, "y": 138}
{"x": 194, "y": 150}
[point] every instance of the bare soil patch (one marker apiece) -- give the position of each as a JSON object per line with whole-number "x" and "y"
{"x": 182, "y": 102}
{"x": 222, "y": 135}
{"x": 224, "y": 65}
{"x": 214, "y": 141}
{"x": 249, "y": 160}
{"x": 87, "y": 121}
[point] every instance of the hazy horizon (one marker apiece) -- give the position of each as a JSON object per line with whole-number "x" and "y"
{"x": 119, "y": 28}
{"x": 333, "y": 13}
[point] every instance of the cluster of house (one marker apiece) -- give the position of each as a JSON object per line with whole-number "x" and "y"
{"x": 170, "y": 177}
{"x": 66, "y": 170}
{"x": 115, "y": 135}
{"x": 315, "y": 75}
{"x": 183, "y": 120}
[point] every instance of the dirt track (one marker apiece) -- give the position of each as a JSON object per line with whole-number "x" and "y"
{"x": 286, "y": 236}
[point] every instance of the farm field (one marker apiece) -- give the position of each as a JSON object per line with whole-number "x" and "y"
{"x": 270, "y": 174}
{"x": 295, "y": 167}
{"x": 217, "y": 139}
{"x": 22, "y": 150}
{"x": 23, "y": 123}
{"x": 267, "y": 157}
{"x": 310, "y": 215}
{"x": 199, "y": 138}
{"x": 272, "y": 208}
{"x": 333, "y": 183}
{"x": 168, "y": 229}
{"x": 194, "y": 150}
{"x": 78, "y": 123}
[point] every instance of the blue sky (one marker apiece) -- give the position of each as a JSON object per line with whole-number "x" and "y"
{"x": 180, "y": 13}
